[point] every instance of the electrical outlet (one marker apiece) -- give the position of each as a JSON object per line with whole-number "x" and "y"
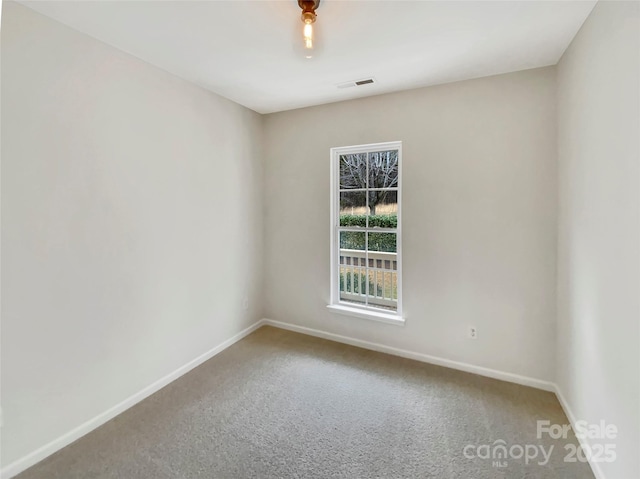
{"x": 473, "y": 332}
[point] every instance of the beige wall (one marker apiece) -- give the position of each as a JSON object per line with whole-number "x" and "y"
{"x": 479, "y": 213}
{"x": 131, "y": 226}
{"x": 599, "y": 227}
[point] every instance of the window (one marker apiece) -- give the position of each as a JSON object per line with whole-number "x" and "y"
{"x": 366, "y": 231}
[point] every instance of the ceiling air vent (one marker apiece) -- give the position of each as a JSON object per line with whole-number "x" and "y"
{"x": 351, "y": 83}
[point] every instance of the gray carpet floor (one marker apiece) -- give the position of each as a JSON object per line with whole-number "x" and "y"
{"x": 283, "y": 405}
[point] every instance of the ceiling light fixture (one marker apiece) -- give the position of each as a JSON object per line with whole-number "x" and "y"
{"x": 308, "y": 19}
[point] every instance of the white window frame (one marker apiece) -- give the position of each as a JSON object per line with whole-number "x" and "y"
{"x": 336, "y": 304}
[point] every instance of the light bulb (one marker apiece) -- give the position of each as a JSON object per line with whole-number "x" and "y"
{"x": 308, "y": 18}
{"x": 307, "y": 34}
{"x": 307, "y": 46}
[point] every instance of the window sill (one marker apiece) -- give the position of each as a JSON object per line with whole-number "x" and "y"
{"x": 388, "y": 318}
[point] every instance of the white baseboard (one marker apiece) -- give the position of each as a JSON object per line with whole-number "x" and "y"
{"x": 470, "y": 368}
{"x": 595, "y": 466}
{"x": 39, "y": 454}
{"x": 425, "y": 358}
{"x": 66, "y": 439}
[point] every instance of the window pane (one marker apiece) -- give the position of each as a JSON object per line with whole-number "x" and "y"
{"x": 353, "y": 208}
{"x": 352, "y": 240}
{"x": 382, "y": 271}
{"x": 383, "y": 169}
{"x": 382, "y": 242}
{"x": 383, "y": 209}
{"x": 353, "y": 171}
{"x": 353, "y": 268}
{"x": 383, "y": 289}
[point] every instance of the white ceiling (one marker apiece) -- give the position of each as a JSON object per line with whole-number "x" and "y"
{"x": 244, "y": 50}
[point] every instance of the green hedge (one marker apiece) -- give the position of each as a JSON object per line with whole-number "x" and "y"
{"x": 377, "y": 241}
{"x": 381, "y": 221}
